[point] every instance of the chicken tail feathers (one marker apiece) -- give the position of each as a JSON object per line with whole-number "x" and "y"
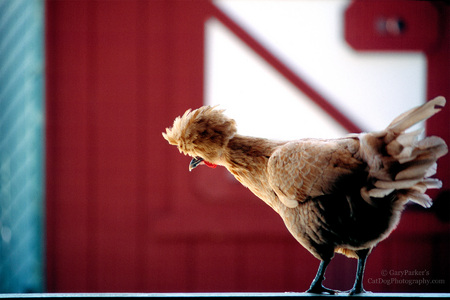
{"x": 399, "y": 162}
{"x": 415, "y": 115}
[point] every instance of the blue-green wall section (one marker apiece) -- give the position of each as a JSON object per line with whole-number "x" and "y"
{"x": 21, "y": 146}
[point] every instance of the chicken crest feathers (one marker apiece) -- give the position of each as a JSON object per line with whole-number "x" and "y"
{"x": 201, "y": 131}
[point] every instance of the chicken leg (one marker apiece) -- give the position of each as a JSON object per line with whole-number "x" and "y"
{"x": 358, "y": 285}
{"x": 316, "y": 285}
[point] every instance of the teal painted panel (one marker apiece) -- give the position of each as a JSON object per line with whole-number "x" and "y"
{"x": 21, "y": 146}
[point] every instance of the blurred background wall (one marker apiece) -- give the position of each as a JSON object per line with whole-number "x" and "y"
{"x": 123, "y": 214}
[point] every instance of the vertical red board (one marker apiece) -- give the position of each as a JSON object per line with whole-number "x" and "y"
{"x": 438, "y": 84}
{"x": 67, "y": 138}
{"x": 114, "y": 100}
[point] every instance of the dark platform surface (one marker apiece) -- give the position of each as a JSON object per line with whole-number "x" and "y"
{"x": 217, "y": 295}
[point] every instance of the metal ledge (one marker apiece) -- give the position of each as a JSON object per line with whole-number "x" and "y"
{"x": 216, "y": 295}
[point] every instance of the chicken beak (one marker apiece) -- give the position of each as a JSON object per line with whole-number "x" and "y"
{"x": 195, "y": 162}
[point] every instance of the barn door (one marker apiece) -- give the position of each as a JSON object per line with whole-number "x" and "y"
{"x": 123, "y": 212}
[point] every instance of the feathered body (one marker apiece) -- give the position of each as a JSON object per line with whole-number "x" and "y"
{"x": 334, "y": 195}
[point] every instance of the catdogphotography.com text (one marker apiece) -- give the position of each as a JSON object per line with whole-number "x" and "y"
{"x": 406, "y": 277}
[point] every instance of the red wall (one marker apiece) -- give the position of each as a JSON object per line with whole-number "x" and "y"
{"x": 123, "y": 213}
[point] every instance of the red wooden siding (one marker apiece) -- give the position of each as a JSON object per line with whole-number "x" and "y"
{"x": 123, "y": 212}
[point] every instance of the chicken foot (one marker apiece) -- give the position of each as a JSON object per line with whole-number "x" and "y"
{"x": 358, "y": 285}
{"x": 316, "y": 285}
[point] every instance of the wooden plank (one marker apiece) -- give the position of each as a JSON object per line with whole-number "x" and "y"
{"x": 67, "y": 227}
{"x": 438, "y": 78}
{"x": 155, "y": 86}
{"x": 116, "y": 109}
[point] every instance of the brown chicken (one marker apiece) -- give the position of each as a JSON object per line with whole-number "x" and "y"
{"x": 334, "y": 195}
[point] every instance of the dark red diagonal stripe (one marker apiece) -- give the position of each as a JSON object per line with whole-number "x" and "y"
{"x": 284, "y": 70}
